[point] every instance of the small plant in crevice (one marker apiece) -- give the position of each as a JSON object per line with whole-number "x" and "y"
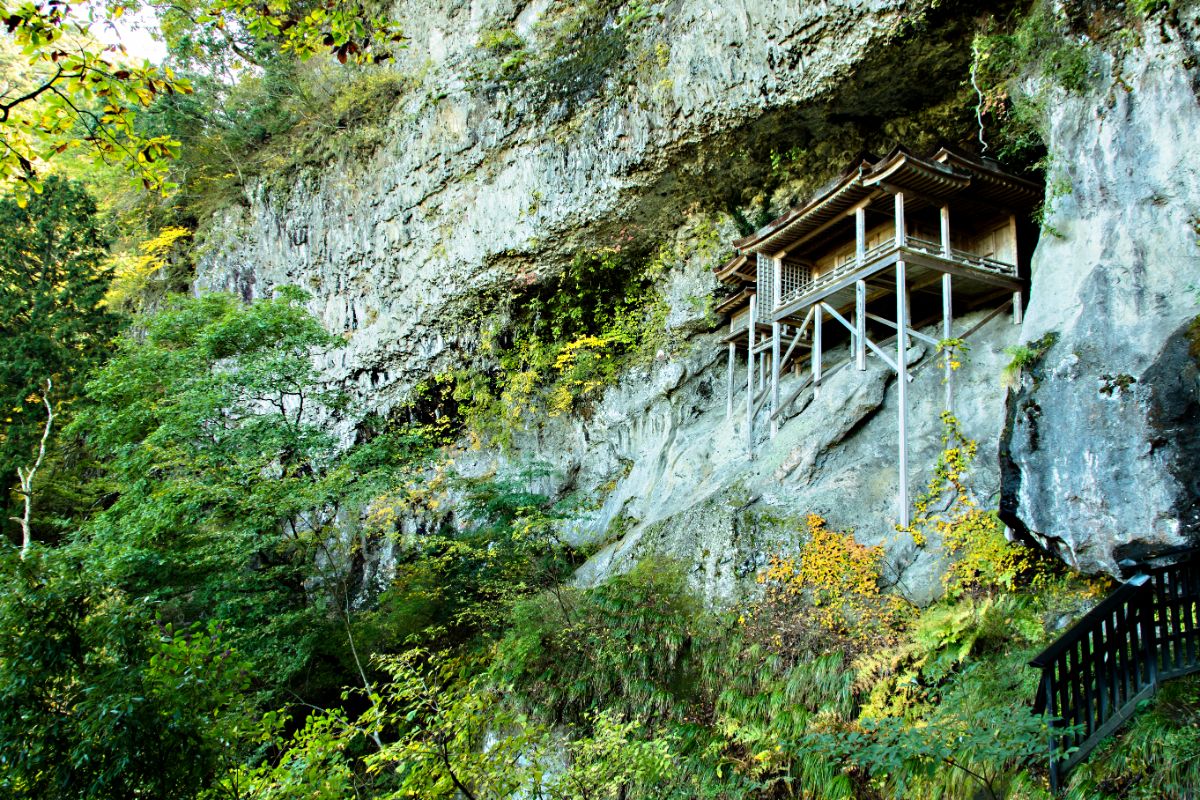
{"x": 1024, "y": 357}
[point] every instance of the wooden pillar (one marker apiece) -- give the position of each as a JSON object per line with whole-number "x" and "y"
{"x": 774, "y": 378}
{"x": 947, "y": 328}
{"x": 776, "y": 284}
{"x": 750, "y": 377}
{"x": 908, "y": 340}
{"x": 901, "y": 231}
{"x": 902, "y": 397}
{"x": 860, "y": 324}
{"x": 860, "y": 289}
{"x": 947, "y": 249}
{"x": 860, "y": 235}
{"x": 1018, "y": 308}
{"x": 729, "y": 381}
{"x": 818, "y": 318}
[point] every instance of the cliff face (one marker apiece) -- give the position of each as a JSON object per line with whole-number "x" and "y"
{"x": 1102, "y": 449}
{"x": 482, "y": 189}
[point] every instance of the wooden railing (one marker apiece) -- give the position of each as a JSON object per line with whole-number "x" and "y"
{"x": 798, "y": 288}
{"x": 1093, "y": 677}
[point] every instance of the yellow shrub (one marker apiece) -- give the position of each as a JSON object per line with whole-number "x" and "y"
{"x": 840, "y": 577}
{"x": 983, "y": 556}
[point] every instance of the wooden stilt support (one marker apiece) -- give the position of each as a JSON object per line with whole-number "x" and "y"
{"x": 796, "y": 341}
{"x": 750, "y": 378}
{"x": 860, "y": 236}
{"x": 860, "y": 325}
{"x": 729, "y": 381}
{"x": 947, "y": 328}
{"x": 947, "y": 248}
{"x": 818, "y": 320}
{"x": 902, "y": 383}
{"x": 1018, "y": 308}
{"x": 774, "y": 378}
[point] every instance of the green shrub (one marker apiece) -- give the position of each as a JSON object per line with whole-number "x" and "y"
{"x": 1157, "y": 756}
{"x": 618, "y": 646}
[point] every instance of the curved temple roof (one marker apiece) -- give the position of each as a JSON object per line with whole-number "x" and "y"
{"x": 946, "y": 175}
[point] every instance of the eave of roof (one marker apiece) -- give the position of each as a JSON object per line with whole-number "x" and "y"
{"x": 734, "y": 302}
{"x": 902, "y": 170}
{"x": 945, "y": 175}
{"x": 732, "y": 271}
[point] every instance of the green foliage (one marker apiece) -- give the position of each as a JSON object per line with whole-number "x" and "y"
{"x": 954, "y": 754}
{"x": 222, "y": 488}
{"x": 284, "y": 114}
{"x": 571, "y": 339}
{"x": 53, "y": 321}
{"x": 575, "y": 49}
{"x": 1156, "y": 756}
{"x": 69, "y": 92}
{"x": 1037, "y": 43}
{"x": 618, "y": 646}
{"x": 311, "y": 764}
{"x": 1025, "y": 356}
{"x": 73, "y": 92}
{"x": 97, "y": 700}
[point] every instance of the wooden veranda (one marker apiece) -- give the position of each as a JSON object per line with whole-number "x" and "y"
{"x": 846, "y": 266}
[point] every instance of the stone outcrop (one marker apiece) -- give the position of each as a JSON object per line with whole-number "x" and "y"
{"x": 482, "y": 191}
{"x": 1101, "y": 454}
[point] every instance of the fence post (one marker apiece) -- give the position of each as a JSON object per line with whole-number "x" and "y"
{"x": 1047, "y": 698}
{"x": 1150, "y": 631}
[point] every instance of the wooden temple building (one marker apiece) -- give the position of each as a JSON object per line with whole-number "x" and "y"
{"x": 889, "y": 239}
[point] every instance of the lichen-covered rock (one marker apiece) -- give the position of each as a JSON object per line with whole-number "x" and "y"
{"x": 678, "y": 481}
{"x": 480, "y": 190}
{"x": 1100, "y": 454}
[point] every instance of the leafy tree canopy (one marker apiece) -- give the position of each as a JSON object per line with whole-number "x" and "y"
{"x": 63, "y": 90}
{"x": 53, "y": 321}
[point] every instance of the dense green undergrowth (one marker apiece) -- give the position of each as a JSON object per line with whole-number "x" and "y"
{"x": 206, "y": 582}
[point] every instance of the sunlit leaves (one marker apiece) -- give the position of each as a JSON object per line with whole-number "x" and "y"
{"x": 72, "y": 93}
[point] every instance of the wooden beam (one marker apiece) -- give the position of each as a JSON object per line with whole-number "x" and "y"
{"x": 729, "y": 381}
{"x": 902, "y": 382}
{"x": 957, "y": 270}
{"x": 860, "y": 236}
{"x": 995, "y": 313}
{"x": 912, "y": 332}
{"x": 817, "y": 346}
{"x": 947, "y": 322}
{"x": 860, "y": 325}
{"x": 799, "y": 333}
{"x": 750, "y": 377}
{"x": 776, "y": 282}
{"x": 947, "y": 248}
{"x": 835, "y": 287}
{"x": 774, "y": 373}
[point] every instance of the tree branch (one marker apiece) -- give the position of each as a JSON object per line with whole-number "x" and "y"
{"x": 33, "y": 94}
{"x": 26, "y": 475}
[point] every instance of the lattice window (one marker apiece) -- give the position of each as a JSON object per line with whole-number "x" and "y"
{"x": 795, "y": 279}
{"x": 766, "y": 279}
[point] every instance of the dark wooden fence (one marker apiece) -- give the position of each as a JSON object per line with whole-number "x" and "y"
{"x": 1093, "y": 677}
